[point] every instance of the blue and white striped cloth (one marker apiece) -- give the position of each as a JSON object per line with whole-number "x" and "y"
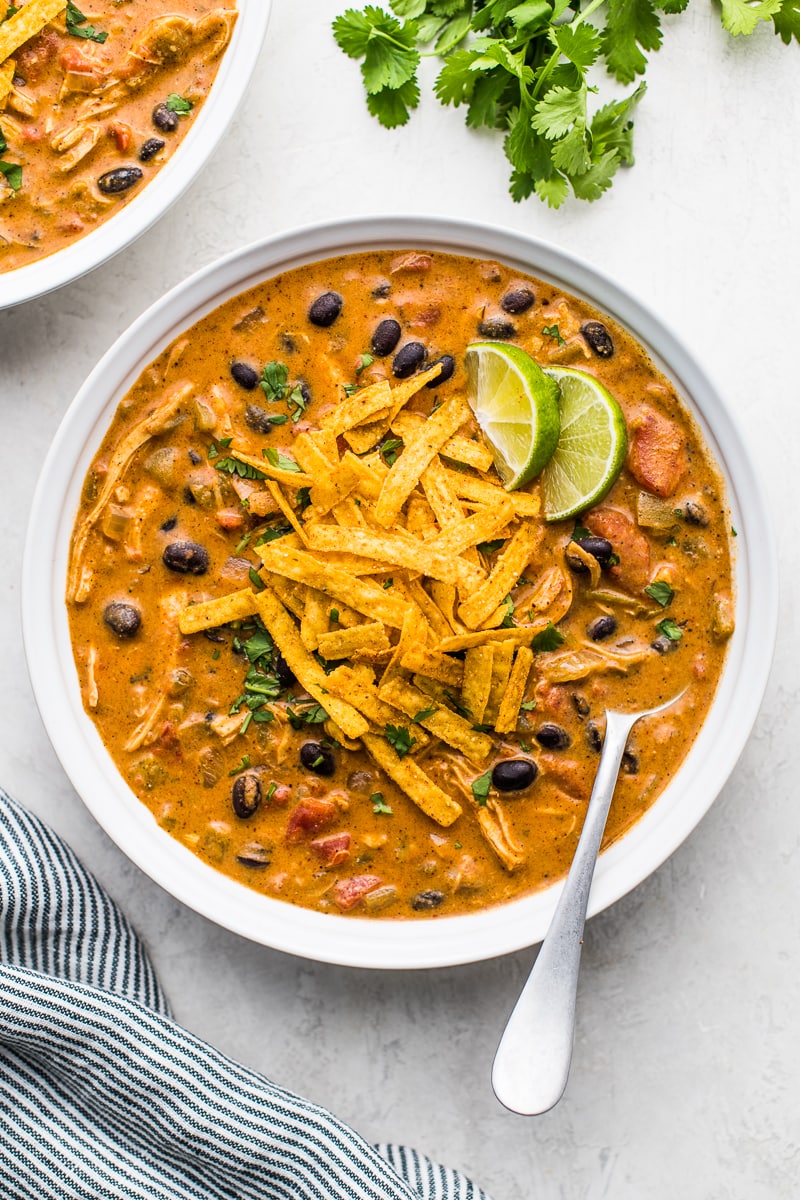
{"x": 104, "y": 1097}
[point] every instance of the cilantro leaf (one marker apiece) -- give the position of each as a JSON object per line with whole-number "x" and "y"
{"x": 661, "y": 592}
{"x": 743, "y": 16}
{"x": 549, "y": 638}
{"x": 787, "y": 21}
{"x": 552, "y": 331}
{"x": 670, "y": 629}
{"x": 400, "y": 739}
{"x": 177, "y": 104}
{"x": 274, "y": 380}
{"x": 379, "y": 805}
{"x": 13, "y": 174}
{"x": 282, "y": 461}
{"x": 481, "y": 787}
{"x": 632, "y": 26}
{"x": 77, "y": 27}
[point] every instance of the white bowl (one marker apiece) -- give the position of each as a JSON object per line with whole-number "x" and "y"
{"x": 352, "y": 940}
{"x": 235, "y": 68}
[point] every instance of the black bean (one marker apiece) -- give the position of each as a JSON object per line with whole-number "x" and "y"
{"x": 427, "y": 900}
{"x": 361, "y": 781}
{"x": 151, "y": 148}
{"x": 257, "y": 419}
{"x": 407, "y": 359}
{"x": 317, "y": 758}
{"x": 194, "y": 457}
{"x": 164, "y": 118}
{"x": 496, "y": 327}
{"x": 448, "y": 366}
{"x": 253, "y": 854}
{"x": 214, "y": 635}
{"x": 382, "y": 290}
{"x": 602, "y": 627}
{"x": 282, "y": 669}
{"x": 119, "y": 180}
{"x": 187, "y": 558}
{"x": 664, "y": 645}
{"x": 594, "y": 737}
{"x": 518, "y": 300}
{"x": 385, "y": 337}
{"x": 630, "y": 763}
{"x": 598, "y": 338}
{"x": 599, "y": 548}
{"x": 695, "y": 514}
{"x": 124, "y": 619}
{"x": 246, "y": 376}
{"x": 288, "y": 343}
{"x": 514, "y": 774}
{"x": 552, "y": 737}
{"x": 169, "y": 525}
{"x": 246, "y": 794}
{"x": 581, "y": 705}
{"x": 325, "y": 309}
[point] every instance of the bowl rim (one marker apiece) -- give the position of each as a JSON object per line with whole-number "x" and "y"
{"x": 346, "y": 940}
{"x": 167, "y": 186}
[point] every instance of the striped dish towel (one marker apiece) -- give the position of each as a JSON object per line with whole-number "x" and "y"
{"x": 104, "y": 1097}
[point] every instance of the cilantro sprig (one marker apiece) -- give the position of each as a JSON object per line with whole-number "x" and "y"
{"x": 77, "y": 26}
{"x": 522, "y": 67}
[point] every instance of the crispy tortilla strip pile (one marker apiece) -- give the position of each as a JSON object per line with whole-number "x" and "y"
{"x": 386, "y": 582}
{"x": 26, "y": 22}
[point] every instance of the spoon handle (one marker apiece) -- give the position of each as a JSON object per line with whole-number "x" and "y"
{"x": 532, "y": 1061}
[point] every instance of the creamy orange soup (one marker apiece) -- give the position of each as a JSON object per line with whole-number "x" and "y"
{"x": 91, "y": 107}
{"x": 388, "y": 715}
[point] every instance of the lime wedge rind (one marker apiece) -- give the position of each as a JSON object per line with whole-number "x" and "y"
{"x": 591, "y": 449}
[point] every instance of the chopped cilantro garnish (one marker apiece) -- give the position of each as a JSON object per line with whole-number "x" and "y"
{"x": 303, "y": 498}
{"x": 528, "y": 705}
{"x": 490, "y": 547}
{"x": 13, "y": 174}
{"x": 460, "y": 708}
{"x": 241, "y": 766}
{"x": 508, "y": 620}
{"x": 661, "y": 592}
{"x": 481, "y": 787}
{"x": 334, "y": 614}
{"x": 671, "y": 540}
{"x": 389, "y": 450}
{"x": 256, "y": 580}
{"x": 272, "y": 534}
{"x": 311, "y": 714}
{"x": 77, "y": 27}
{"x": 245, "y": 723}
{"x": 297, "y": 402}
{"x": 387, "y": 583}
{"x": 670, "y": 629}
{"x": 552, "y": 331}
{"x": 271, "y": 790}
{"x": 274, "y": 380}
{"x": 379, "y": 805}
{"x": 277, "y": 459}
{"x": 400, "y": 738}
{"x": 178, "y": 104}
{"x": 349, "y": 389}
{"x": 733, "y": 532}
{"x": 424, "y": 714}
{"x": 550, "y": 638}
{"x": 580, "y": 532}
{"x": 232, "y": 466}
{"x": 365, "y": 361}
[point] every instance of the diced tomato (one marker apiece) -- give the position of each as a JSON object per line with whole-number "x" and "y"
{"x": 229, "y": 518}
{"x": 122, "y": 135}
{"x": 72, "y": 58}
{"x": 281, "y": 794}
{"x": 348, "y": 892}
{"x": 31, "y": 133}
{"x": 333, "y": 849}
{"x": 657, "y": 455}
{"x": 629, "y": 543}
{"x": 310, "y": 816}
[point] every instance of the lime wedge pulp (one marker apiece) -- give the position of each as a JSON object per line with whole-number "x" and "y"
{"x": 591, "y": 448}
{"x": 516, "y": 405}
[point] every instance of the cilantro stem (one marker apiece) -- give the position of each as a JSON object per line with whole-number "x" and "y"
{"x": 552, "y": 61}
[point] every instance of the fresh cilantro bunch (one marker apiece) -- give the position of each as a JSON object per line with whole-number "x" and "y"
{"x": 522, "y": 66}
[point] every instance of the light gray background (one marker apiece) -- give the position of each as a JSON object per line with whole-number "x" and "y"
{"x": 685, "y": 1078}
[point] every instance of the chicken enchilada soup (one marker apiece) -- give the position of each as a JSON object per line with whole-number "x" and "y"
{"x": 93, "y": 101}
{"x": 364, "y": 558}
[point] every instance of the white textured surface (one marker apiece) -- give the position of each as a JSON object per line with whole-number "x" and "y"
{"x": 687, "y": 1059}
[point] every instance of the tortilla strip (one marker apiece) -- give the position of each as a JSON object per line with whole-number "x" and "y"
{"x": 366, "y": 436}
{"x": 427, "y": 620}
{"x": 510, "y": 564}
{"x": 526, "y": 504}
{"x": 418, "y": 453}
{"x": 343, "y": 643}
{"x": 477, "y": 680}
{"x": 440, "y": 494}
{"x": 399, "y": 551}
{"x": 310, "y": 457}
{"x": 465, "y": 450}
{"x": 79, "y": 579}
{"x": 402, "y": 392}
{"x": 292, "y": 597}
{"x": 410, "y": 777}
{"x": 325, "y": 442}
{"x": 358, "y": 408}
{"x": 6, "y": 80}
{"x": 409, "y": 635}
{"x": 309, "y": 673}
{"x": 315, "y": 619}
{"x": 420, "y": 521}
{"x": 501, "y": 670}
{"x": 495, "y": 828}
{"x": 210, "y": 613}
{"x": 521, "y": 635}
{"x": 287, "y": 510}
{"x": 362, "y": 595}
{"x": 435, "y": 666}
{"x": 482, "y": 526}
{"x": 295, "y": 479}
{"x": 26, "y": 22}
{"x": 348, "y": 514}
{"x": 361, "y": 692}
{"x": 515, "y": 691}
{"x": 442, "y": 723}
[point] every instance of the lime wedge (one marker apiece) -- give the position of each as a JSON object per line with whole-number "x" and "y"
{"x": 516, "y": 406}
{"x": 591, "y": 448}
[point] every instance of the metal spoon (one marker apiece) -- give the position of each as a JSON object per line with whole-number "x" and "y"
{"x": 532, "y": 1063}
